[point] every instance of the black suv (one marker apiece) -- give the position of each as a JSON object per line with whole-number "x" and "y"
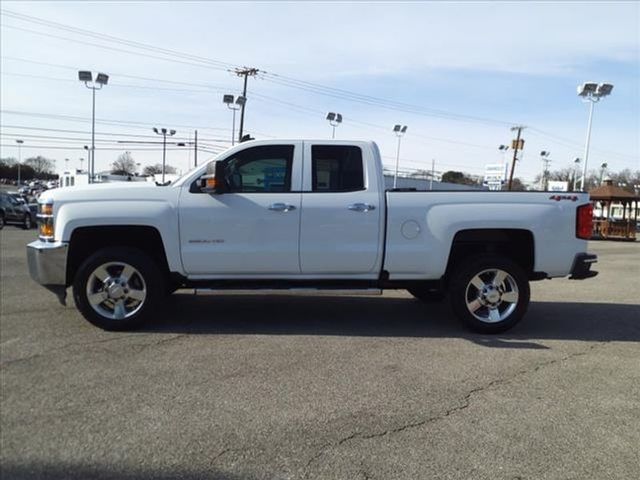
{"x": 13, "y": 211}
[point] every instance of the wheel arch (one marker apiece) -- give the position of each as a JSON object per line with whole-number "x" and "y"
{"x": 85, "y": 241}
{"x": 516, "y": 244}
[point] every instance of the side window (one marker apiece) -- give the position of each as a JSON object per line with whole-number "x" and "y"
{"x": 336, "y": 168}
{"x": 263, "y": 169}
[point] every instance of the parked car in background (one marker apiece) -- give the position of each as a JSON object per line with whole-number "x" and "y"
{"x": 30, "y": 202}
{"x": 14, "y": 211}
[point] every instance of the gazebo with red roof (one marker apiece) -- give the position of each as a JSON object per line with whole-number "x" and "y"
{"x": 606, "y": 226}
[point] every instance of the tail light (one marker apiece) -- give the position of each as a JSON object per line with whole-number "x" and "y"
{"x": 584, "y": 221}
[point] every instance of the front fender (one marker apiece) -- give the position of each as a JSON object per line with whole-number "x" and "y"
{"x": 147, "y": 213}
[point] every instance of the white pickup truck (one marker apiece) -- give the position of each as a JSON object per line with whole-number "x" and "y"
{"x": 304, "y": 216}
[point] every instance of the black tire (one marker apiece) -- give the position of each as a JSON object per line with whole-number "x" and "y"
{"x": 498, "y": 306}
{"x": 1, "y": 221}
{"x": 427, "y": 295}
{"x": 27, "y": 223}
{"x": 146, "y": 278}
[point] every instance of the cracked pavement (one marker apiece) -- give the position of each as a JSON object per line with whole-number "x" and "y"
{"x": 251, "y": 387}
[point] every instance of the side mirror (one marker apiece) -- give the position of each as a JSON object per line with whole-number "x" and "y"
{"x": 213, "y": 181}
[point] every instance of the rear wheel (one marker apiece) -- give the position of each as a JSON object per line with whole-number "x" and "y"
{"x": 118, "y": 288}
{"x": 490, "y": 294}
{"x": 1, "y": 221}
{"x": 27, "y": 224}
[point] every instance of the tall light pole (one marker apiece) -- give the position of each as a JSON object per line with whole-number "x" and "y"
{"x": 603, "y": 168}
{"x": 81, "y": 161}
{"x": 576, "y": 169}
{"x": 503, "y": 149}
{"x": 19, "y": 142}
{"x": 591, "y": 92}
{"x": 234, "y": 104}
{"x": 164, "y": 132}
{"x": 101, "y": 80}
{"x": 399, "y": 130}
{"x": 335, "y": 119}
{"x": 544, "y": 156}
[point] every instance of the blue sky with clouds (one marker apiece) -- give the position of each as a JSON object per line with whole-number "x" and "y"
{"x": 472, "y": 68}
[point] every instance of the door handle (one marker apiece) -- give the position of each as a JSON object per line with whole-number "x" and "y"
{"x": 281, "y": 207}
{"x": 361, "y": 207}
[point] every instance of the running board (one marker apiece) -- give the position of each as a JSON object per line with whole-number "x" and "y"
{"x": 289, "y": 291}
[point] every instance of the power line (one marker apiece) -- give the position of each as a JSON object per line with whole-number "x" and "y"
{"x": 118, "y": 75}
{"x": 273, "y": 77}
{"x": 133, "y": 135}
{"x": 283, "y": 80}
{"x": 73, "y": 147}
{"x": 114, "y": 39}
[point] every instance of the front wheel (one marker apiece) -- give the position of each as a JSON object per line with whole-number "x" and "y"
{"x": 490, "y": 294}
{"x": 118, "y": 288}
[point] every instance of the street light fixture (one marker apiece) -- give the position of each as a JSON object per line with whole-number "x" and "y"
{"x": 591, "y": 92}
{"x": 335, "y": 119}
{"x": 399, "y": 130}
{"x": 101, "y": 80}
{"x": 164, "y": 132}
{"x": 234, "y": 104}
{"x": 19, "y": 142}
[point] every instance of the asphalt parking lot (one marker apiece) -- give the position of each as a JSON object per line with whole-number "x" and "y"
{"x": 324, "y": 387}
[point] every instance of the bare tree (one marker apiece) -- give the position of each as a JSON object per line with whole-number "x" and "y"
{"x": 157, "y": 169}
{"x": 41, "y": 165}
{"x": 124, "y": 165}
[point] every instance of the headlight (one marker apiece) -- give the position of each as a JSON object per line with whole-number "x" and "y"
{"x": 45, "y": 221}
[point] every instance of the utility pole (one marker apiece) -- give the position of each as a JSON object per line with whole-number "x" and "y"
{"x": 433, "y": 171}
{"x": 195, "y": 150}
{"x": 19, "y": 142}
{"x": 517, "y": 145}
{"x": 246, "y": 73}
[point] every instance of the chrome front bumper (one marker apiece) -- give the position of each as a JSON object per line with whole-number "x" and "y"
{"x": 48, "y": 263}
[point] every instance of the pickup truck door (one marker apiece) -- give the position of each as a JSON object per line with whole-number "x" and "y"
{"x": 341, "y": 225}
{"x": 253, "y": 229}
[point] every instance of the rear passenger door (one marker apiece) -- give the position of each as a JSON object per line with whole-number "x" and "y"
{"x": 341, "y": 216}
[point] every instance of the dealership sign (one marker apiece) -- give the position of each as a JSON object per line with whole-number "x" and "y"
{"x": 495, "y": 175}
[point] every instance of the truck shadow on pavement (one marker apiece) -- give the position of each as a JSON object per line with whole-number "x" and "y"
{"x": 388, "y": 317}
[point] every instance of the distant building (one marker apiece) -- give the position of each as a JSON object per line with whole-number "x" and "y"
{"x": 81, "y": 177}
{"x": 426, "y": 184}
{"x": 72, "y": 178}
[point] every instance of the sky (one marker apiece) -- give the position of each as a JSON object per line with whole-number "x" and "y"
{"x": 458, "y": 74}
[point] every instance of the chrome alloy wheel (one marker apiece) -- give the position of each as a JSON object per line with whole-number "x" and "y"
{"x": 116, "y": 290}
{"x": 492, "y": 295}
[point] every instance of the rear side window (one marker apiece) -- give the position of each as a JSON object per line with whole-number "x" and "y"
{"x": 336, "y": 168}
